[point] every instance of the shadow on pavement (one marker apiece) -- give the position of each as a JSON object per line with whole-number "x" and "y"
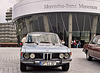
{"x": 96, "y": 61}
{"x": 43, "y": 70}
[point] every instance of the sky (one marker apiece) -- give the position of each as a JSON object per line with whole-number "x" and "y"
{"x": 4, "y": 6}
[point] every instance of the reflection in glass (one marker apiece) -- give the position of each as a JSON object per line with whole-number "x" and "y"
{"x": 43, "y": 38}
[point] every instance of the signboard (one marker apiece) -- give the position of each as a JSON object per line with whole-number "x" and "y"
{"x": 26, "y": 7}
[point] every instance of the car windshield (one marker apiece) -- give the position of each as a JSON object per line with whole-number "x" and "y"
{"x": 43, "y": 38}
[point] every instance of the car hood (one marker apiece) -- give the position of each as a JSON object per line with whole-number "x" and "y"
{"x": 32, "y": 47}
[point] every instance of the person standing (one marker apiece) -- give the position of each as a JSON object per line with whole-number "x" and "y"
{"x": 75, "y": 43}
{"x": 23, "y": 39}
{"x": 72, "y": 44}
{"x": 79, "y": 43}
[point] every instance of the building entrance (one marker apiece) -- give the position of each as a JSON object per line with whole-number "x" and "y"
{"x": 82, "y": 36}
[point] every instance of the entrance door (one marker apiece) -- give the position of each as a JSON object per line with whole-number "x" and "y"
{"x": 76, "y": 35}
{"x": 85, "y": 37}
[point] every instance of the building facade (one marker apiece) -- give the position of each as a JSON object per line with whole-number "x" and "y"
{"x": 7, "y": 33}
{"x": 71, "y": 20}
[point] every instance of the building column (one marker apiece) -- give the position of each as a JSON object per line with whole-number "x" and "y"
{"x": 46, "y": 23}
{"x": 94, "y": 27}
{"x": 70, "y": 31}
{"x": 27, "y": 25}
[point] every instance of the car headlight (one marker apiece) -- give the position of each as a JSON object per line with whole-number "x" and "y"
{"x": 61, "y": 55}
{"x": 66, "y": 55}
{"x": 32, "y": 55}
{"x": 26, "y": 56}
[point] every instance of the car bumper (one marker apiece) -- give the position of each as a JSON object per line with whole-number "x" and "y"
{"x": 38, "y": 62}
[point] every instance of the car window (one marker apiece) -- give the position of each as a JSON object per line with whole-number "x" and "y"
{"x": 98, "y": 42}
{"x": 94, "y": 41}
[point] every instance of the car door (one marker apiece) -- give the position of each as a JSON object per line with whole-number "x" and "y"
{"x": 98, "y": 48}
{"x": 92, "y": 47}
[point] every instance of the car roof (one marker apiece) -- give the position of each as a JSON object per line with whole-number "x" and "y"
{"x": 41, "y": 33}
{"x": 97, "y": 36}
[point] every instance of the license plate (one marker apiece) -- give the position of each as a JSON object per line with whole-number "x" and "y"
{"x": 47, "y": 63}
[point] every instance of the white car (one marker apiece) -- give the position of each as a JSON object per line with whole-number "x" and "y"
{"x": 44, "y": 49}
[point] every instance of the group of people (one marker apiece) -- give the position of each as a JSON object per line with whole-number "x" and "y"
{"x": 75, "y": 44}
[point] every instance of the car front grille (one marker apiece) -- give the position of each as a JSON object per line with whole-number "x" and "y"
{"x": 38, "y": 55}
{"x": 55, "y": 55}
{"x": 47, "y": 56}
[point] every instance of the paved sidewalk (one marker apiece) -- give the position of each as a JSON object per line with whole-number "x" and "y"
{"x": 10, "y": 63}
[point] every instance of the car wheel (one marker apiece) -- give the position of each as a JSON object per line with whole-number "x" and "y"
{"x": 88, "y": 57}
{"x": 65, "y": 67}
{"x": 22, "y": 67}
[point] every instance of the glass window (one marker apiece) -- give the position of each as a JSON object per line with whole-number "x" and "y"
{"x": 94, "y": 40}
{"x": 98, "y": 42}
{"x": 43, "y": 38}
{"x": 85, "y": 35}
{"x": 76, "y": 33}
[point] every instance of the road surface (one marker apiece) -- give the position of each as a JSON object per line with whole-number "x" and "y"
{"x": 10, "y": 63}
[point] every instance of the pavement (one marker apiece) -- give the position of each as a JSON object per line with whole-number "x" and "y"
{"x": 10, "y": 63}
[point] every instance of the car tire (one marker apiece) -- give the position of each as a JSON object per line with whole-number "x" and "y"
{"x": 88, "y": 57}
{"x": 65, "y": 67}
{"x": 22, "y": 67}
